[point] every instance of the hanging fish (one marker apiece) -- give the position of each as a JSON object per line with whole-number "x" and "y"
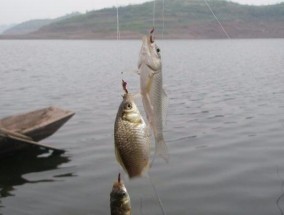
{"x": 119, "y": 199}
{"x": 131, "y": 138}
{"x": 154, "y": 97}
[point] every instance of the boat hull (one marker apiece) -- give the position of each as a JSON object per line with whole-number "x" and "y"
{"x": 37, "y": 125}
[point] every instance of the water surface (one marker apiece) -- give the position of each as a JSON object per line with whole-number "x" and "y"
{"x": 225, "y": 126}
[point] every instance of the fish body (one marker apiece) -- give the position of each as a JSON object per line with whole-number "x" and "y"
{"x": 131, "y": 138}
{"x": 154, "y": 97}
{"x": 119, "y": 199}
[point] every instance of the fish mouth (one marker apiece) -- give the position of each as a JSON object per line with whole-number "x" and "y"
{"x": 151, "y": 35}
{"x": 148, "y": 53}
{"x": 132, "y": 117}
{"x": 148, "y": 40}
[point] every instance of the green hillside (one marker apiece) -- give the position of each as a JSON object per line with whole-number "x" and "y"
{"x": 182, "y": 19}
{"x": 34, "y": 25}
{"x": 27, "y": 27}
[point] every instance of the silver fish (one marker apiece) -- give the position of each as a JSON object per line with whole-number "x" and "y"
{"x": 119, "y": 199}
{"x": 131, "y": 138}
{"x": 154, "y": 97}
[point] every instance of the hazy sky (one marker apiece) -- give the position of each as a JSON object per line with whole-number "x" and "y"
{"x": 16, "y": 11}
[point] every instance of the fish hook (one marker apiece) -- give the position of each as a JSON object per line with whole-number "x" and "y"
{"x": 118, "y": 178}
{"x": 124, "y": 84}
{"x": 151, "y": 35}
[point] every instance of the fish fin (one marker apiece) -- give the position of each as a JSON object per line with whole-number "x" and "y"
{"x": 149, "y": 106}
{"x": 149, "y": 84}
{"x": 119, "y": 160}
{"x": 148, "y": 109}
{"x": 145, "y": 171}
{"x": 161, "y": 149}
{"x": 139, "y": 63}
{"x": 165, "y": 102}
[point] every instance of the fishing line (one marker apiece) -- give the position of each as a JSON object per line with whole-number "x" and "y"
{"x": 118, "y": 34}
{"x": 154, "y": 13}
{"x": 223, "y": 29}
{"x": 141, "y": 206}
{"x": 157, "y": 196}
{"x": 117, "y": 23}
{"x": 163, "y": 17}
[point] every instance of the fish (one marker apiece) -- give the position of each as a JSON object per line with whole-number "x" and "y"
{"x": 119, "y": 199}
{"x": 154, "y": 97}
{"x": 131, "y": 138}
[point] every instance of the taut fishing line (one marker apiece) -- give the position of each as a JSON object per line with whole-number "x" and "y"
{"x": 118, "y": 38}
{"x": 223, "y": 29}
{"x": 117, "y": 23}
{"x": 154, "y": 13}
{"x": 150, "y": 179}
{"x": 157, "y": 196}
{"x": 163, "y": 17}
{"x": 118, "y": 32}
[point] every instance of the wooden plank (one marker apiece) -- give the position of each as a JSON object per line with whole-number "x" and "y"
{"x": 38, "y": 124}
{"x": 4, "y": 133}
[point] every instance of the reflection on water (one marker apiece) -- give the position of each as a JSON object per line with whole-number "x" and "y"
{"x": 13, "y": 170}
{"x": 224, "y": 126}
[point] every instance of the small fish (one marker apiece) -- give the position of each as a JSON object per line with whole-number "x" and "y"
{"x": 119, "y": 199}
{"x": 154, "y": 97}
{"x": 131, "y": 138}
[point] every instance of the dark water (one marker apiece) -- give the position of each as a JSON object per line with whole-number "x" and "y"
{"x": 225, "y": 127}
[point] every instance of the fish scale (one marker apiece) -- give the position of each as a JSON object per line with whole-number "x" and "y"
{"x": 132, "y": 139}
{"x": 119, "y": 199}
{"x": 153, "y": 94}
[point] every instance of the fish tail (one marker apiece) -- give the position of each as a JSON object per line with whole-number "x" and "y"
{"x": 161, "y": 149}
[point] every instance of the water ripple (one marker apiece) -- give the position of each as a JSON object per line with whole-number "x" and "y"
{"x": 224, "y": 126}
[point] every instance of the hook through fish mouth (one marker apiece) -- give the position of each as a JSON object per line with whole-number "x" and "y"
{"x": 124, "y": 84}
{"x": 151, "y": 35}
{"x": 118, "y": 178}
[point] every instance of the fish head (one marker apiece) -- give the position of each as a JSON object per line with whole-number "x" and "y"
{"x": 150, "y": 53}
{"x": 128, "y": 110}
{"x": 119, "y": 193}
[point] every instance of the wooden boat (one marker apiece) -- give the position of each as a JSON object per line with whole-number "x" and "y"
{"x": 24, "y": 130}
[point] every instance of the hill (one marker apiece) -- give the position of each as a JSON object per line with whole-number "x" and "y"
{"x": 27, "y": 27}
{"x": 184, "y": 19}
{"x": 33, "y": 25}
{"x": 5, "y": 27}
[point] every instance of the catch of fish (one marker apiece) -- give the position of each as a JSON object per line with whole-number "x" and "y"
{"x": 119, "y": 199}
{"x": 154, "y": 97}
{"x": 131, "y": 134}
{"x": 132, "y": 138}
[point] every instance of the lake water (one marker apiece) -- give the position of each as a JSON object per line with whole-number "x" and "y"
{"x": 225, "y": 127}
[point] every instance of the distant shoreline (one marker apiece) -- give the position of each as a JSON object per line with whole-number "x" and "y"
{"x": 137, "y": 38}
{"x": 184, "y": 20}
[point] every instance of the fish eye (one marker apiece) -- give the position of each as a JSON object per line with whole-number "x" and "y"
{"x": 128, "y": 106}
{"x": 158, "y": 50}
{"x": 122, "y": 194}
